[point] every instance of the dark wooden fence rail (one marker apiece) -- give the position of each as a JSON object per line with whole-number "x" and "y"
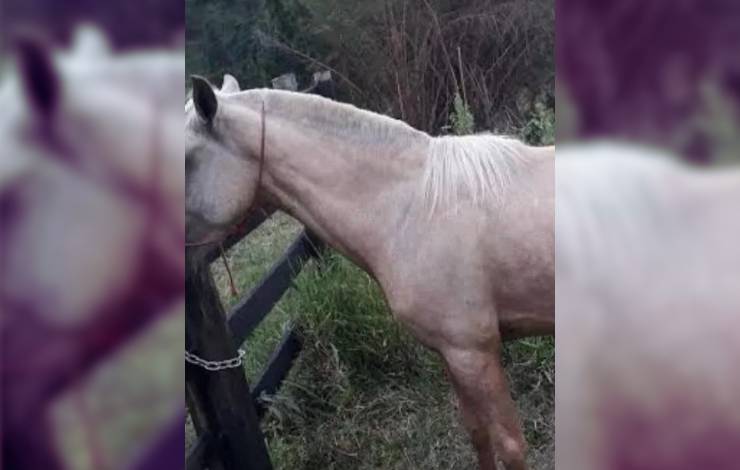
{"x": 224, "y": 409}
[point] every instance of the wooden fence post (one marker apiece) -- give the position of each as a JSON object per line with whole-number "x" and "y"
{"x": 220, "y": 402}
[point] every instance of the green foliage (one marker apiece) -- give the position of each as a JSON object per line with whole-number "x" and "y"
{"x": 462, "y": 120}
{"x": 220, "y": 38}
{"x": 228, "y": 37}
{"x": 540, "y": 126}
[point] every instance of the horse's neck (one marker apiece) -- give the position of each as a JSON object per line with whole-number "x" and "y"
{"x": 353, "y": 196}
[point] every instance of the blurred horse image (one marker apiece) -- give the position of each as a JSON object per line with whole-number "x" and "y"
{"x": 648, "y": 302}
{"x": 91, "y": 220}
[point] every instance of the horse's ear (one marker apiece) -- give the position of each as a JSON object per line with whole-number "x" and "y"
{"x": 39, "y": 78}
{"x": 204, "y": 98}
{"x": 230, "y": 85}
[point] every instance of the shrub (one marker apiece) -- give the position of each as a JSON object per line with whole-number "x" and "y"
{"x": 540, "y": 126}
{"x": 461, "y": 119}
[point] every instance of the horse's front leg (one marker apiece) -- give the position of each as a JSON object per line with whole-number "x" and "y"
{"x": 489, "y": 412}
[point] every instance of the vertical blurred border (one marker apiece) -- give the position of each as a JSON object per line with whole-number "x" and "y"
{"x": 91, "y": 259}
{"x": 647, "y": 223}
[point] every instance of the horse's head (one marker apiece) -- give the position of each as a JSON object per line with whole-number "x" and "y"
{"x": 221, "y": 172}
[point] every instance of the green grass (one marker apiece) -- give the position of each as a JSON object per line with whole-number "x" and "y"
{"x": 364, "y": 394}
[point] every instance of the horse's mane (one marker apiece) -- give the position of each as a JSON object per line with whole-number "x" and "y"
{"x": 481, "y": 167}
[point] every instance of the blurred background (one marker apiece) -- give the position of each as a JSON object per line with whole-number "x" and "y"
{"x": 665, "y": 74}
{"x": 132, "y": 24}
{"x": 648, "y": 268}
{"x": 91, "y": 234}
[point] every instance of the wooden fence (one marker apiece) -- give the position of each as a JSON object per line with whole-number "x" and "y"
{"x": 224, "y": 409}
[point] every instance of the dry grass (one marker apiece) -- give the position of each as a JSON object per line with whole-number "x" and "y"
{"x": 408, "y": 58}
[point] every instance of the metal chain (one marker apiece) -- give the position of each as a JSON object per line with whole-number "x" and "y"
{"x": 215, "y": 366}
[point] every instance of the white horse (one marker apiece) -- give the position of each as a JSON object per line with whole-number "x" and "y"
{"x": 91, "y": 223}
{"x": 458, "y": 231}
{"x": 648, "y": 302}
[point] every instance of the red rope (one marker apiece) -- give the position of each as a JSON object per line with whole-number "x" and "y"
{"x": 234, "y": 292}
